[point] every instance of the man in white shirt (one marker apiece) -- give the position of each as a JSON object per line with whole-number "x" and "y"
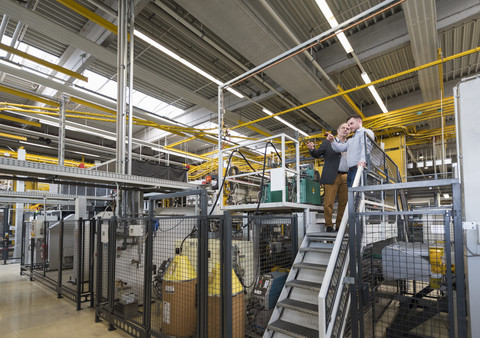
{"x": 355, "y": 146}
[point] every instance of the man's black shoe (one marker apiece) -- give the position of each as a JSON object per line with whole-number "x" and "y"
{"x": 330, "y": 229}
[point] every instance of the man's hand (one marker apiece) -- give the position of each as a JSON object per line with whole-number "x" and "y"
{"x": 330, "y": 137}
{"x": 310, "y": 145}
{"x": 362, "y": 164}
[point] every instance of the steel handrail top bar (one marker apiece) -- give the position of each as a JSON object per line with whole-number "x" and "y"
{"x": 407, "y": 185}
{"x": 306, "y": 43}
{"x": 260, "y": 141}
{"x": 47, "y": 195}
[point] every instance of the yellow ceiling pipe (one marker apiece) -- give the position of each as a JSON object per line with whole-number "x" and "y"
{"x": 350, "y": 102}
{"x": 16, "y": 119}
{"x": 15, "y": 137}
{"x": 9, "y": 104}
{"x": 180, "y": 142}
{"x": 44, "y": 159}
{"x": 411, "y": 114}
{"x": 76, "y": 7}
{"x": 42, "y": 62}
{"x": 255, "y": 129}
{"x": 390, "y": 77}
{"x": 92, "y": 105}
{"x": 28, "y": 96}
{"x": 415, "y": 108}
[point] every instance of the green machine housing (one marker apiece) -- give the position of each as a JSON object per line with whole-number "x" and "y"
{"x": 309, "y": 189}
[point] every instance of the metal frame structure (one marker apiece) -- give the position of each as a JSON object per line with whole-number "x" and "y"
{"x": 284, "y": 203}
{"x": 360, "y": 290}
{"x": 18, "y": 167}
{"x": 38, "y": 269}
{"x": 141, "y": 324}
{"x": 5, "y": 236}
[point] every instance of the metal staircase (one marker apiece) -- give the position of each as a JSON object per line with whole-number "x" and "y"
{"x": 321, "y": 264}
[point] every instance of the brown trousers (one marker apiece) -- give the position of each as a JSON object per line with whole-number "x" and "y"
{"x": 340, "y": 190}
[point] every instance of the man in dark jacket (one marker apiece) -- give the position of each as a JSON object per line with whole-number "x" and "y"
{"x": 334, "y": 177}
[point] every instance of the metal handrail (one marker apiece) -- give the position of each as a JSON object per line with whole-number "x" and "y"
{"x": 326, "y": 324}
{"x": 328, "y": 307}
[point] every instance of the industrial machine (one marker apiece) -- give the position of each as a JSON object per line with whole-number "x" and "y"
{"x": 309, "y": 188}
{"x": 265, "y": 294}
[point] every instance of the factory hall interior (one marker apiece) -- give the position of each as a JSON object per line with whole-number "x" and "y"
{"x": 239, "y": 168}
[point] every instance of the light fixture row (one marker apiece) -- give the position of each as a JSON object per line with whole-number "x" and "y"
{"x": 322, "y": 4}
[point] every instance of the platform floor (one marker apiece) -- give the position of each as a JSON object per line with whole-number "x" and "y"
{"x": 30, "y": 309}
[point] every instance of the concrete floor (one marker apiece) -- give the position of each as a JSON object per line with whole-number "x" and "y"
{"x": 30, "y": 309}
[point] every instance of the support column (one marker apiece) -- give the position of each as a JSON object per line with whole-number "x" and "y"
{"x": 61, "y": 130}
{"x": 121, "y": 84}
{"x": 221, "y": 111}
{"x": 20, "y": 187}
{"x": 131, "y": 23}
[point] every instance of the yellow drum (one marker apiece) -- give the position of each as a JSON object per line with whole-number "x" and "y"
{"x": 179, "y": 312}
{"x": 214, "y": 306}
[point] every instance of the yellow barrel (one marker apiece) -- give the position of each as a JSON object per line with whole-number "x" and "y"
{"x": 179, "y": 311}
{"x": 214, "y": 305}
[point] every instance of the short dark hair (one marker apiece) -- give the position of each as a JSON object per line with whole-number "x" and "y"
{"x": 356, "y": 117}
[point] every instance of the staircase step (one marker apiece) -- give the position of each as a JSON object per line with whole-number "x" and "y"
{"x": 321, "y": 236}
{"x": 299, "y": 306}
{"x": 293, "y": 330}
{"x": 303, "y": 284}
{"x": 325, "y": 247}
{"x": 310, "y": 266}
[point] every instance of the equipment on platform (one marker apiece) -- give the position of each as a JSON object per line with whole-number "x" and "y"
{"x": 309, "y": 188}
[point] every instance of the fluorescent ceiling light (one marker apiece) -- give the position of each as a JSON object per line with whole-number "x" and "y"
{"x": 327, "y": 12}
{"x": 446, "y": 196}
{"x": 334, "y": 23}
{"x": 372, "y": 89}
{"x": 172, "y": 151}
{"x": 35, "y": 144}
{"x": 183, "y": 61}
{"x": 344, "y": 41}
{"x": 268, "y": 112}
{"x": 82, "y": 153}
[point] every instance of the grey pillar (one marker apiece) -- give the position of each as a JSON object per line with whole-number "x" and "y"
{"x": 131, "y": 17}
{"x": 61, "y": 130}
{"x": 121, "y": 81}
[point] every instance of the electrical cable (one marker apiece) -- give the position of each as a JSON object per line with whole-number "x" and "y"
{"x": 220, "y": 188}
{"x": 189, "y": 235}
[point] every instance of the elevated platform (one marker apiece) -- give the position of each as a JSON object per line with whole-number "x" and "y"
{"x": 53, "y": 172}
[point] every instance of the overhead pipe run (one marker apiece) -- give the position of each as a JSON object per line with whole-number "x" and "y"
{"x": 356, "y": 20}
{"x": 42, "y": 62}
{"x": 406, "y": 72}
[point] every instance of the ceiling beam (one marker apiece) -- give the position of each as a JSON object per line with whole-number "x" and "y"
{"x": 421, "y": 18}
{"x": 391, "y": 33}
{"x": 59, "y": 33}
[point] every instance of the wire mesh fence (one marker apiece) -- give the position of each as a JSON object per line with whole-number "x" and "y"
{"x": 174, "y": 297}
{"x": 155, "y": 284}
{"x": 380, "y": 164}
{"x": 406, "y": 267}
{"x": 263, "y": 250}
{"x": 59, "y": 253}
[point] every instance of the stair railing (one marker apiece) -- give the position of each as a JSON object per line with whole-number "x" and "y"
{"x": 331, "y": 291}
